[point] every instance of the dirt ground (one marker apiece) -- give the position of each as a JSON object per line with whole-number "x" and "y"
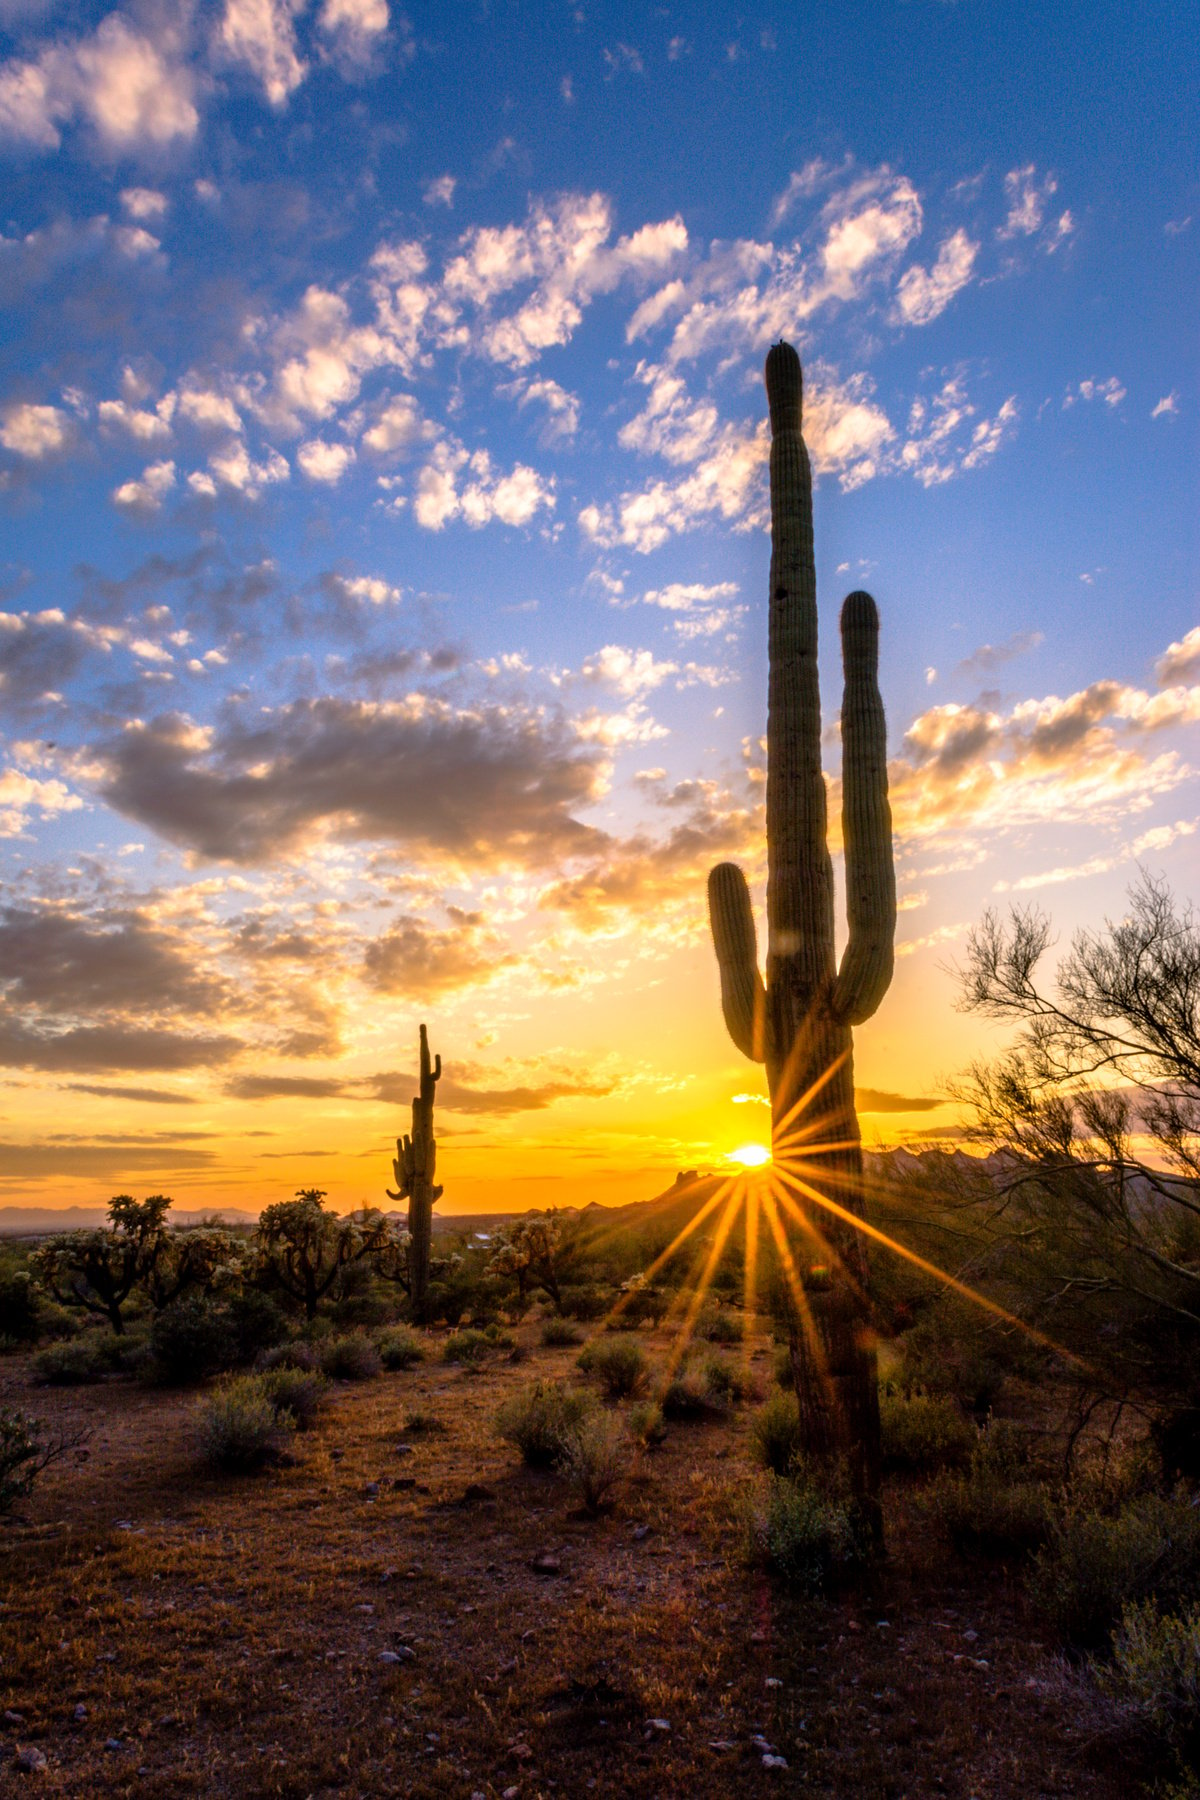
{"x": 369, "y": 1622}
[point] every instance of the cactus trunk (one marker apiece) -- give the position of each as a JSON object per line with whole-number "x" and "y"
{"x": 414, "y": 1165}
{"x": 799, "y": 1021}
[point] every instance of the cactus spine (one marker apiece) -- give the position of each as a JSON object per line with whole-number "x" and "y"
{"x": 799, "y": 1021}
{"x": 414, "y": 1164}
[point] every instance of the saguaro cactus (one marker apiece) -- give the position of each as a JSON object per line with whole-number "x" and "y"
{"x": 799, "y": 1021}
{"x": 414, "y": 1163}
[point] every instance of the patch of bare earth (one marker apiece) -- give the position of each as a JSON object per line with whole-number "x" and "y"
{"x": 369, "y": 1621}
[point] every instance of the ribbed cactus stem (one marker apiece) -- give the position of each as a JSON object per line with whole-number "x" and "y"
{"x": 414, "y": 1165}
{"x": 799, "y": 1020}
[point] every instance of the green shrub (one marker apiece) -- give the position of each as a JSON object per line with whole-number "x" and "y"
{"x": 538, "y": 1419}
{"x": 20, "y": 1305}
{"x": 646, "y": 1426}
{"x": 724, "y": 1382}
{"x": 257, "y": 1322}
{"x": 296, "y": 1355}
{"x": 1094, "y": 1565}
{"x": 350, "y": 1358}
{"x": 471, "y": 1348}
{"x": 782, "y": 1369}
{"x": 921, "y": 1432}
{"x": 619, "y": 1362}
{"x": 595, "y": 1452}
{"x": 804, "y": 1536}
{"x": 559, "y": 1332}
{"x": 984, "y": 1517}
{"x": 775, "y": 1433}
{"x": 24, "y": 1453}
{"x": 645, "y": 1305}
{"x": 400, "y": 1348}
{"x": 69, "y": 1363}
{"x": 1154, "y": 1675}
{"x": 720, "y": 1326}
{"x": 689, "y": 1396}
{"x": 300, "y": 1393}
{"x": 191, "y": 1339}
{"x": 240, "y": 1428}
{"x": 584, "y": 1303}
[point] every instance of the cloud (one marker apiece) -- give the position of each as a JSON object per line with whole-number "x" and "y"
{"x": 260, "y": 35}
{"x": 878, "y": 1100}
{"x": 1109, "y": 391}
{"x": 922, "y": 295}
{"x": 440, "y": 192}
{"x": 21, "y": 795}
{"x": 96, "y": 1162}
{"x": 149, "y": 1095}
{"x": 990, "y": 657}
{"x": 146, "y": 495}
{"x": 35, "y": 432}
{"x": 233, "y": 467}
{"x": 143, "y": 204}
{"x": 85, "y": 1049}
{"x": 208, "y": 410}
{"x": 355, "y": 27}
{"x": 414, "y": 958}
{"x": 1166, "y": 407}
{"x": 630, "y": 672}
{"x": 1179, "y": 661}
{"x": 285, "y": 1087}
{"x": 132, "y": 91}
{"x": 562, "y": 408}
{"x": 479, "y": 784}
{"x": 455, "y": 484}
{"x": 324, "y": 462}
{"x": 399, "y": 427}
{"x": 1027, "y": 199}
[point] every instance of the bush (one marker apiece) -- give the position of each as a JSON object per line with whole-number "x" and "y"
{"x": 423, "y": 1424}
{"x": 1155, "y": 1672}
{"x": 619, "y": 1362}
{"x": 68, "y": 1364}
{"x": 300, "y": 1393}
{"x": 646, "y": 1425}
{"x": 782, "y": 1369}
{"x": 595, "y": 1451}
{"x": 296, "y": 1355}
{"x": 400, "y": 1348}
{"x": 538, "y": 1419}
{"x": 689, "y": 1396}
{"x": 190, "y": 1340}
{"x": 775, "y": 1434}
{"x": 469, "y": 1347}
{"x": 642, "y": 1306}
{"x": 984, "y": 1517}
{"x": 1095, "y": 1565}
{"x": 24, "y": 1453}
{"x": 20, "y": 1305}
{"x": 720, "y": 1326}
{"x": 724, "y": 1383}
{"x": 922, "y": 1432}
{"x": 805, "y": 1536}
{"x": 240, "y": 1428}
{"x": 585, "y": 1303}
{"x": 558, "y": 1332}
{"x": 257, "y": 1323}
{"x": 350, "y": 1358}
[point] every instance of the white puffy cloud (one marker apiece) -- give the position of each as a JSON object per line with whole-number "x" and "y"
{"x": 34, "y": 432}
{"x": 1109, "y": 391}
{"x": 147, "y": 426}
{"x": 1027, "y": 199}
{"x": 355, "y": 26}
{"x": 399, "y": 427}
{"x": 440, "y": 191}
{"x": 1166, "y": 406}
{"x": 130, "y": 89}
{"x": 203, "y": 407}
{"x": 1179, "y": 661}
{"x": 233, "y": 467}
{"x": 630, "y": 672}
{"x": 261, "y": 35}
{"x": 324, "y": 462}
{"x": 21, "y": 794}
{"x": 142, "y": 203}
{"x": 923, "y": 294}
{"x": 562, "y": 408}
{"x": 146, "y": 494}
{"x": 455, "y": 484}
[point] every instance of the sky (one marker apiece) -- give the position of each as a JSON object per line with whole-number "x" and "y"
{"x": 384, "y": 567}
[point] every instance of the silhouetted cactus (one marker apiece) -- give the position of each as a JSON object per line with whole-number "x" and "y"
{"x": 414, "y": 1164}
{"x": 799, "y": 1021}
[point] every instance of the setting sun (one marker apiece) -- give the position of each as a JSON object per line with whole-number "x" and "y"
{"x": 750, "y": 1156}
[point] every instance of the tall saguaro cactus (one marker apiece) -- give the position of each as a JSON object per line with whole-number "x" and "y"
{"x": 799, "y": 1021}
{"x": 414, "y": 1163}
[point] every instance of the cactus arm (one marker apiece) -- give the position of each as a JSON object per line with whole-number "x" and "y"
{"x": 743, "y": 998}
{"x": 866, "y": 968}
{"x": 800, "y": 948}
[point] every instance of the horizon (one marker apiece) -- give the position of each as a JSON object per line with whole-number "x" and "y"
{"x": 382, "y": 619}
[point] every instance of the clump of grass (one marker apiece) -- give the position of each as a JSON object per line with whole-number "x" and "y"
{"x": 923, "y": 1432}
{"x": 619, "y": 1362}
{"x": 805, "y": 1535}
{"x": 240, "y": 1428}
{"x": 539, "y": 1419}
{"x": 995, "y": 1508}
{"x": 68, "y": 1363}
{"x": 724, "y": 1382}
{"x": 423, "y": 1424}
{"x": 350, "y": 1358}
{"x": 1094, "y": 1565}
{"x": 298, "y": 1354}
{"x": 594, "y": 1458}
{"x": 400, "y": 1348}
{"x": 720, "y": 1326}
{"x": 559, "y": 1332}
{"x": 775, "y": 1433}
{"x": 690, "y": 1393}
{"x": 646, "y": 1424}
{"x": 300, "y": 1392}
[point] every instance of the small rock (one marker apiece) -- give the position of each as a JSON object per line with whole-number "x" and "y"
{"x": 546, "y": 1564}
{"x": 404, "y": 1450}
{"x": 760, "y": 1743}
{"x": 723, "y": 1744}
{"x": 658, "y": 1725}
{"x": 970, "y": 1637}
{"x": 365, "y": 1606}
{"x": 370, "y": 1490}
{"x": 774, "y": 1762}
{"x": 521, "y": 1752}
{"x": 758, "y": 1637}
{"x": 404, "y": 1653}
{"x": 510, "y": 1793}
{"x": 336, "y": 1455}
{"x": 774, "y": 1681}
{"x": 31, "y": 1760}
{"x": 12, "y": 1717}
{"x": 114, "y": 1746}
{"x": 80, "y": 1713}
{"x": 640, "y": 1532}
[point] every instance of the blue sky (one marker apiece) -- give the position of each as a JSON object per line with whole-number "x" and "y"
{"x": 382, "y": 465}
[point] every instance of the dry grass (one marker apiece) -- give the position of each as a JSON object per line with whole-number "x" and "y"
{"x": 229, "y": 1632}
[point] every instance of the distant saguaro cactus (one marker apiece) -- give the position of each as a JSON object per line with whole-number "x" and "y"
{"x": 414, "y": 1164}
{"x": 799, "y": 1021}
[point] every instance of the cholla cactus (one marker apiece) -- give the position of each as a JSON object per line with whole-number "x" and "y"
{"x": 799, "y": 1020}
{"x": 413, "y": 1166}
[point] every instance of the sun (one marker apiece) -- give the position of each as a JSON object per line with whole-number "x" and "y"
{"x": 750, "y": 1156}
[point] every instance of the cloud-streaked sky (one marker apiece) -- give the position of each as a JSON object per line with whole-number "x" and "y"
{"x": 382, "y": 595}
